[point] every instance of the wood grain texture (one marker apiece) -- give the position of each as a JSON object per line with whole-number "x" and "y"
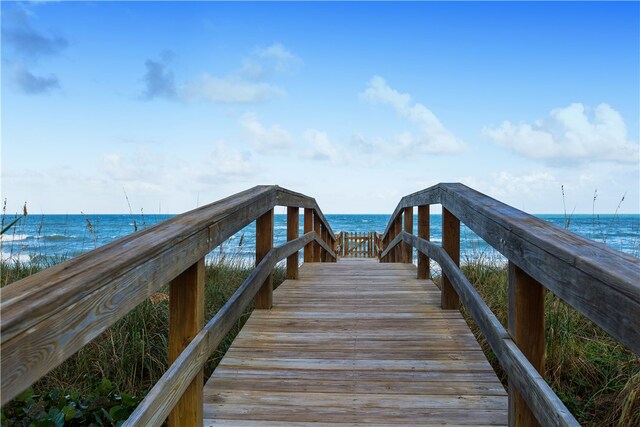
{"x": 546, "y": 406}
{"x": 355, "y": 342}
{"x": 264, "y": 244}
{"x": 601, "y": 283}
{"x": 186, "y": 318}
{"x": 153, "y": 410}
{"x": 308, "y": 227}
{"x": 49, "y": 316}
{"x": 451, "y": 245}
{"x": 317, "y": 248}
{"x": 408, "y": 227}
{"x": 526, "y": 326}
{"x": 293, "y": 230}
{"x": 424, "y": 233}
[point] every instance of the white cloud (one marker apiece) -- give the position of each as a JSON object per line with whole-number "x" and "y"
{"x": 320, "y": 147}
{"x": 263, "y": 139}
{"x": 229, "y": 162}
{"x": 228, "y": 90}
{"x": 432, "y": 137}
{"x": 569, "y": 134}
{"x": 248, "y": 84}
{"x": 282, "y": 59}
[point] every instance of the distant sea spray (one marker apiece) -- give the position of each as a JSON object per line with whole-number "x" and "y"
{"x": 65, "y": 236}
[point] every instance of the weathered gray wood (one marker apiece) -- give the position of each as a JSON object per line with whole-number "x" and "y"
{"x": 428, "y": 196}
{"x": 317, "y": 227}
{"x": 50, "y": 315}
{"x": 601, "y": 283}
{"x": 128, "y": 280}
{"x": 291, "y": 198}
{"x": 546, "y": 406}
{"x": 153, "y": 410}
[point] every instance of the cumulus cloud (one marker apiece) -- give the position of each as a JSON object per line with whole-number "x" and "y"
{"x": 28, "y": 46}
{"x": 27, "y": 42}
{"x": 248, "y": 84}
{"x": 319, "y": 147}
{"x": 278, "y": 56}
{"x": 265, "y": 139}
{"x": 230, "y": 162}
{"x": 573, "y": 133}
{"x": 31, "y": 84}
{"x": 228, "y": 90}
{"x": 158, "y": 79}
{"x": 431, "y": 138}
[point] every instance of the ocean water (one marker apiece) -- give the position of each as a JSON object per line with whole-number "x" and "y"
{"x": 61, "y": 237}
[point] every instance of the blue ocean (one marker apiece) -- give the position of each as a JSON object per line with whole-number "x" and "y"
{"x": 61, "y": 237}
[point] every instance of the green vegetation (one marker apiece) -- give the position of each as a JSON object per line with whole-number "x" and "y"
{"x": 596, "y": 377}
{"x": 103, "y": 382}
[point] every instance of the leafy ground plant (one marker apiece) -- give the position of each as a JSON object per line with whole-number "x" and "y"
{"x": 105, "y": 406}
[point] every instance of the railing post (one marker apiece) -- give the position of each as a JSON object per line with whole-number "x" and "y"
{"x": 423, "y": 233}
{"x": 526, "y": 326}
{"x": 325, "y": 238}
{"x": 451, "y": 244}
{"x": 408, "y": 227}
{"x": 293, "y": 232}
{"x": 308, "y": 226}
{"x": 398, "y": 252}
{"x": 186, "y": 318}
{"x": 264, "y": 243}
{"x": 317, "y": 249}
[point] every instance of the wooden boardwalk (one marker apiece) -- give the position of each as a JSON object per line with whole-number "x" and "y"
{"x": 352, "y": 343}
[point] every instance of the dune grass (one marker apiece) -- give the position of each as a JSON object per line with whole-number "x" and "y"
{"x": 597, "y": 378}
{"x": 131, "y": 355}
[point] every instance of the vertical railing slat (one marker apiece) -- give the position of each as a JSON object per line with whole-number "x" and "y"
{"x": 451, "y": 244}
{"x": 264, "y": 243}
{"x": 408, "y": 227}
{"x": 308, "y": 226}
{"x": 423, "y": 233}
{"x": 186, "y": 318}
{"x": 526, "y": 326}
{"x": 293, "y": 232}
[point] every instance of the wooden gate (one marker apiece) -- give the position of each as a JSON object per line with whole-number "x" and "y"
{"x": 358, "y": 244}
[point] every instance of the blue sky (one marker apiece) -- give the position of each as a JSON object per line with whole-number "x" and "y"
{"x": 356, "y": 104}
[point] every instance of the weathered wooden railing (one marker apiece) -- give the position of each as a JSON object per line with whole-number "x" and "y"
{"x": 599, "y": 282}
{"x": 358, "y": 244}
{"x": 51, "y": 315}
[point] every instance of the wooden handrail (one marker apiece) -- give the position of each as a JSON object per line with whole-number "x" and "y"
{"x": 49, "y": 316}
{"x": 601, "y": 283}
{"x": 598, "y": 281}
{"x": 545, "y": 404}
{"x": 165, "y": 393}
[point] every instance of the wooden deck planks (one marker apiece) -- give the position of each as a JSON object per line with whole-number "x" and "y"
{"x": 352, "y": 343}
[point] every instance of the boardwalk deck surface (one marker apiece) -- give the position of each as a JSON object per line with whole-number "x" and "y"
{"x": 353, "y": 343}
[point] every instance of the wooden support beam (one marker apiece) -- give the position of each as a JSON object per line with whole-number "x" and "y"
{"x": 264, "y": 243}
{"x": 526, "y": 326}
{"x": 317, "y": 226}
{"x": 308, "y": 226}
{"x": 408, "y": 227}
{"x": 325, "y": 237}
{"x": 398, "y": 251}
{"x": 423, "y": 233}
{"x": 451, "y": 244}
{"x": 293, "y": 232}
{"x": 186, "y": 318}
